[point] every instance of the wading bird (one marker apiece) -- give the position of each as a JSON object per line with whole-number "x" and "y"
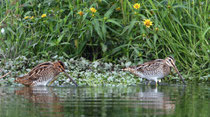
{"x": 43, "y": 74}
{"x": 155, "y": 69}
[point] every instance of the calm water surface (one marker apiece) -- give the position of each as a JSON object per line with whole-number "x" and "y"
{"x": 192, "y": 100}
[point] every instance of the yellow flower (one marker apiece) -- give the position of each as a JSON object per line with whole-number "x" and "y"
{"x": 44, "y": 15}
{"x": 93, "y": 10}
{"x": 147, "y": 23}
{"x": 156, "y": 29}
{"x": 117, "y": 9}
{"x": 136, "y": 6}
{"x": 26, "y": 17}
{"x": 32, "y": 17}
{"x": 80, "y": 13}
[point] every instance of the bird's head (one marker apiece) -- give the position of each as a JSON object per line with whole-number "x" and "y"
{"x": 59, "y": 66}
{"x": 170, "y": 61}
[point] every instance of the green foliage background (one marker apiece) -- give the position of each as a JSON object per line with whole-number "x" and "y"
{"x": 180, "y": 28}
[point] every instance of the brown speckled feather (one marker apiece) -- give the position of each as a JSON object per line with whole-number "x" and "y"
{"x": 155, "y": 69}
{"x": 42, "y": 64}
{"x": 34, "y": 74}
{"x": 42, "y": 74}
{"x": 150, "y": 66}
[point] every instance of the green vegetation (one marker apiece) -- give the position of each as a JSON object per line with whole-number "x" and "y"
{"x": 83, "y": 71}
{"x": 111, "y": 30}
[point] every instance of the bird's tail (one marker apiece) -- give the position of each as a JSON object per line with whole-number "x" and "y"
{"x": 19, "y": 79}
{"x": 24, "y": 80}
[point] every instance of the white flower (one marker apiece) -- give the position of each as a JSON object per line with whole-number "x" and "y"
{"x": 2, "y": 31}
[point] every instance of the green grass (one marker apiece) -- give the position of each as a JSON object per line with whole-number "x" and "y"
{"x": 180, "y": 28}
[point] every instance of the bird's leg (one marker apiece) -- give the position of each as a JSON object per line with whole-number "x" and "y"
{"x": 52, "y": 81}
{"x": 156, "y": 82}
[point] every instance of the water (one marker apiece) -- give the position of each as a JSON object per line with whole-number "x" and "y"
{"x": 132, "y": 101}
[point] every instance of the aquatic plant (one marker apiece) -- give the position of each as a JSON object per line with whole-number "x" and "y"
{"x": 84, "y": 72}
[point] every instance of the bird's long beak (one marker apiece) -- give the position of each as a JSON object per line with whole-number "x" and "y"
{"x": 70, "y": 78}
{"x": 174, "y": 66}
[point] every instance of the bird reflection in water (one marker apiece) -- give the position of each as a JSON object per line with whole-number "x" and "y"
{"x": 154, "y": 101}
{"x": 42, "y": 98}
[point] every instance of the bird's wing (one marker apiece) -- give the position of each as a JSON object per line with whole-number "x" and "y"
{"x": 42, "y": 64}
{"x": 150, "y": 66}
{"x": 34, "y": 74}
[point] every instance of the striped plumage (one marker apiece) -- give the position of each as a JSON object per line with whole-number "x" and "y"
{"x": 42, "y": 74}
{"x": 155, "y": 69}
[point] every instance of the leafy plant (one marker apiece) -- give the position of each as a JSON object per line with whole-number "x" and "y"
{"x": 108, "y": 30}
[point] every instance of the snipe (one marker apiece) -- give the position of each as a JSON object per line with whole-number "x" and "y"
{"x": 155, "y": 69}
{"x": 43, "y": 73}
